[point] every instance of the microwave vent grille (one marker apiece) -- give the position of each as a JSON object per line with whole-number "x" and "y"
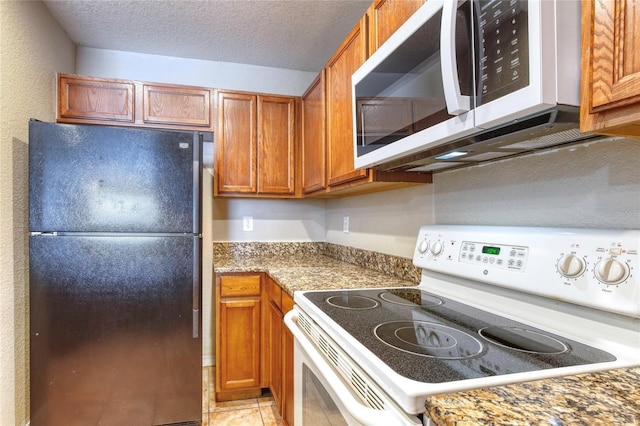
{"x": 569, "y": 135}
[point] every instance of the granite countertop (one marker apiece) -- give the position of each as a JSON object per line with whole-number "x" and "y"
{"x": 607, "y": 398}
{"x": 309, "y": 272}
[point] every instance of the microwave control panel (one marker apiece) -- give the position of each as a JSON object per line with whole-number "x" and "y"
{"x": 591, "y": 267}
{"x": 504, "y": 48}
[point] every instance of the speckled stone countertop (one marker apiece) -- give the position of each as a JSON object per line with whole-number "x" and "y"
{"x": 607, "y": 398}
{"x": 315, "y": 266}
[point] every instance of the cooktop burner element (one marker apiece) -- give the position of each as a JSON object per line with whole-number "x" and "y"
{"x": 428, "y": 339}
{"x": 349, "y": 301}
{"x": 523, "y": 340}
{"x": 410, "y": 297}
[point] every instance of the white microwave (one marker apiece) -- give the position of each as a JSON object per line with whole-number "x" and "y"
{"x": 463, "y": 82}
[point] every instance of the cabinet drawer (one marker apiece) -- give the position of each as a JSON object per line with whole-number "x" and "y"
{"x": 243, "y": 285}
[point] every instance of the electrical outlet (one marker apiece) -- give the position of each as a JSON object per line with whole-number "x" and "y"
{"x": 247, "y": 223}
{"x": 345, "y": 224}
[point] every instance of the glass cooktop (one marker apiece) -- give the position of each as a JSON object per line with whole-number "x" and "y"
{"x": 433, "y": 339}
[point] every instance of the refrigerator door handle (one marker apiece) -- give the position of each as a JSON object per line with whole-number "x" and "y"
{"x": 196, "y": 287}
{"x": 196, "y": 323}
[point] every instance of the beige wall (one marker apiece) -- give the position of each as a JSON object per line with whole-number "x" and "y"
{"x": 32, "y": 48}
{"x": 592, "y": 185}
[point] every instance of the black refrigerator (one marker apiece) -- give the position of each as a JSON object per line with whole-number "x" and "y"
{"x": 114, "y": 268}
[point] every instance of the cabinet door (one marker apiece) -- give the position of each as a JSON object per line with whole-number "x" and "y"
{"x": 276, "y": 145}
{"x": 341, "y": 66}
{"x": 611, "y": 67}
{"x": 89, "y": 99}
{"x": 239, "y": 351}
{"x": 385, "y": 17}
{"x": 313, "y": 137}
{"x": 167, "y": 104}
{"x": 235, "y": 145}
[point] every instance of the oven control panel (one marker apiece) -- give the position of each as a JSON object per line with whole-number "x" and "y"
{"x": 595, "y": 268}
{"x": 512, "y": 258}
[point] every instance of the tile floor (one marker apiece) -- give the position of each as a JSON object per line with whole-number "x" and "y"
{"x": 249, "y": 412}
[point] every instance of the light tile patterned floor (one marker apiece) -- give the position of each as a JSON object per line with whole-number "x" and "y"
{"x": 248, "y": 412}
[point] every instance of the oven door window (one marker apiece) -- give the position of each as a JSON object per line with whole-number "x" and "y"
{"x": 318, "y": 407}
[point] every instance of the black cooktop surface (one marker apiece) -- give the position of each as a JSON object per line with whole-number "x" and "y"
{"x": 433, "y": 339}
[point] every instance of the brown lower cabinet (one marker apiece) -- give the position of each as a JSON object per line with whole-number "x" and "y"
{"x": 254, "y": 349}
{"x": 238, "y": 337}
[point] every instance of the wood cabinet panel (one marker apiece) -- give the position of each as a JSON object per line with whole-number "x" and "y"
{"x": 385, "y": 17}
{"x": 241, "y": 285}
{"x": 275, "y": 353}
{"x": 255, "y": 149}
{"x": 166, "y": 104}
{"x": 610, "y": 92}
{"x": 276, "y": 145}
{"x": 235, "y": 145}
{"x": 83, "y": 99}
{"x": 341, "y": 66}
{"x": 95, "y": 99}
{"x": 239, "y": 355}
{"x": 239, "y": 336}
{"x": 313, "y": 137}
{"x": 287, "y": 381}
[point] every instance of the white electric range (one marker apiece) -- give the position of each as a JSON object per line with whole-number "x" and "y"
{"x": 495, "y": 305}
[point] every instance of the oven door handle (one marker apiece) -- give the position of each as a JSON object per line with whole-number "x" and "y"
{"x": 359, "y": 411}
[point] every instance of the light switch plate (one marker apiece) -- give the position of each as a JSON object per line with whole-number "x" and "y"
{"x": 345, "y": 224}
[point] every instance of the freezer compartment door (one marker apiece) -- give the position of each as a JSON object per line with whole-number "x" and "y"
{"x": 112, "y": 330}
{"x": 107, "y": 179}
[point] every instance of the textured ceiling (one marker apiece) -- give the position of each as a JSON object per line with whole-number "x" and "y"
{"x": 293, "y": 34}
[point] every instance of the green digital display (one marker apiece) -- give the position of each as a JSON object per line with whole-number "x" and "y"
{"x": 490, "y": 250}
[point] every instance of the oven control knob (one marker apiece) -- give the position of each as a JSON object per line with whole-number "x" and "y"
{"x": 423, "y": 246}
{"x": 436, "y": 248}
{"x": 611, "y": 271}
{"x": 571, "y": 266}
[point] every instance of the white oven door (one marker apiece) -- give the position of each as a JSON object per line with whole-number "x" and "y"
{"x": 323, "y": 396}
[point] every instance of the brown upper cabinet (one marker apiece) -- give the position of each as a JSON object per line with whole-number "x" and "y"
{"x": 610, "y": 92}
{"x": 92, "y": 100}
{"x": 255, "y": 145}
{"x": 174, "y": 105}
{"x": 314, "y": 176}
{"x": 384, "y": 17}
{"x": 346, "y": 60}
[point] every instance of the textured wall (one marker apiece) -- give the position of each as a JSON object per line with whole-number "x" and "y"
{"x": 595, "y": 185}
{"x": 32, "y": 48}
{"x": 386, "y": 222}
{"x": 165, "y": 69}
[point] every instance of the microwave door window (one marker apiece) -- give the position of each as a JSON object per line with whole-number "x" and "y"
{"x": 404, "y": 94}
{"x": 402, "y": 90}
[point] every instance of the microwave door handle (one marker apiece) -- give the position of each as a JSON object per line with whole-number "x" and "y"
{"x": 456, "y": 102}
